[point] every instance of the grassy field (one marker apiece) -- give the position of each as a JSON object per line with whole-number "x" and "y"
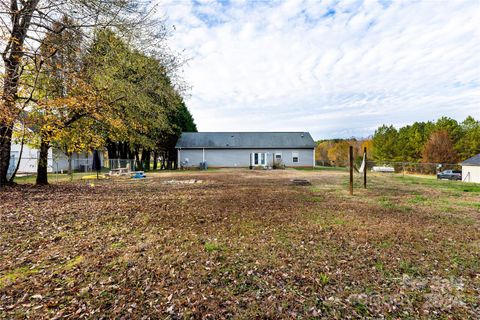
{"x": 54, "y": 177}
{"x": 241, "y": 244}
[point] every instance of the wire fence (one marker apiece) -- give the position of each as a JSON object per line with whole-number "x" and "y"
{"x": 411, "y": 167}
{"x": 58, "y": 168}
{"x": 116, "y": 164}
{"x": 25, "y": 168}
{"x": 396, "y": 166}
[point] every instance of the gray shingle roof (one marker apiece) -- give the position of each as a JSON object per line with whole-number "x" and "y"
{"x": 232, "y": 140}
{"x": 473, "y": 161}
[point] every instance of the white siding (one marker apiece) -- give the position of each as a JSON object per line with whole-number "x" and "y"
{"x": 471, "y": 174}
{"x": 29, "y": 161}
{"x": 60, "y": 160}
{"x": 57, "y": 160}
{"x": 241, "y": 157}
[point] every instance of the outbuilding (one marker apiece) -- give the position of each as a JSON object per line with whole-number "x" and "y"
{"x": 471, "y": 169}
{"x": 246, "y": 149}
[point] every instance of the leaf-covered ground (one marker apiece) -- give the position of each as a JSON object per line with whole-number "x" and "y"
{"x": 241, "y": 244}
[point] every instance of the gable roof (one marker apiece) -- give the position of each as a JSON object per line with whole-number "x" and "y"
{"x": 239, "y": 140}
{"x": 473, "y": 161}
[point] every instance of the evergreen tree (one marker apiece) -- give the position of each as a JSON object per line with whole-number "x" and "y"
{"x": 385, "y": 143}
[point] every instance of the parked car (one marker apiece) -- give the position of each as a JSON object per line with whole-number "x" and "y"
{"x": 450, "y": 175}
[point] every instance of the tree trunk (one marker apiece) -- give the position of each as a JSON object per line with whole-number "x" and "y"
{"x": 8, "y": 116}
{"x": 146, "y": 160}
{"x": 169, "y": 160}
{"x": 112, "y": 150}
{"x": 124, "y": 150}
{"x": 70, "y": 170}
{"x": 139, "y": 164}
{"x": 12, "y": 57}
{"x": 5, "y": 147}
{"x": 155, "y": 160}
{"x": 163, "y": 166}
{"x": 42, "y": 170}
{"x": 22, "y": 144}
{"x": 175, "y": 159}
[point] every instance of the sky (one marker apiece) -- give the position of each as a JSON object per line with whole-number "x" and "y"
{"x": 334, "y": 68}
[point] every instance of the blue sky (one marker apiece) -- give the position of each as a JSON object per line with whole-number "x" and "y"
{"x": 334, "y": 68}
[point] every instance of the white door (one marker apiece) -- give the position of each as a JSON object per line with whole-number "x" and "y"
{"x": 258, "y": 159}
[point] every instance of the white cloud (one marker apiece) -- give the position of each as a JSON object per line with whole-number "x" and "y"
{"x": 331, "y": 68}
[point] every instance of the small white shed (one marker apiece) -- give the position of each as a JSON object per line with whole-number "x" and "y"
{"x": 471, "y": 169}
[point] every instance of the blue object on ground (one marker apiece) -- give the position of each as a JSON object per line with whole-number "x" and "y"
{"x": 138, "y": 176}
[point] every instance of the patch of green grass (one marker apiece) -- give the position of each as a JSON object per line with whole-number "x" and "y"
{"x": 447, "y": 209}
{"x": 16, "y": 274}
{"x": 53, "y": 177}
{"x": 418, "y": 199}
{"x": 321, "y": 168}
{"x": 283, "y": 238}
{"x": 245, "y": 286}
{"x": 379, "y": 266}
{"x": 312, "y": 198}
{"x": 194, "y": 170}
{"x": 381, "y": 269}
{"x": 461, "y": 263}
{"x": 446, "y": 185}
{"x": 386, "y": 203}
{"x": 322, "y": 218}
{"x": 73, "y": 263}
{"x": 213, "y": 246}
{"x": 361, "y": 308}
{"x": 387, "y": 244}
{"x": 324, "y": 279}
{"x": 24, "y": 272}
{"x": 470, "y": 204}
{"x": 447, "y": 202}
{"x": 316, "y": 218}
{"x": 338, "y": 222}
{"x": 406, "y": 267}
{"x": 245, "y": 227}
{"x": 116, "y": 245}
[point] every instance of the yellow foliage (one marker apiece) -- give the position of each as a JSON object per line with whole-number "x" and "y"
{"x": 339, "y": 152}
{"x": 369, "y": 145}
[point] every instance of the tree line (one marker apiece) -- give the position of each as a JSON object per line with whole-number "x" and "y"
{"x": 443, "y": 141}
{"x": 82, "y": 75}
{"x": 335, "y": 152}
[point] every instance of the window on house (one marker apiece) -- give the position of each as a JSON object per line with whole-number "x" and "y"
{"x": 278, "y": 156}
{"x": 295, "y": 157}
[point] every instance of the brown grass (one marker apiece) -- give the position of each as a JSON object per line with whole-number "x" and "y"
{"x": 240, "y": 244}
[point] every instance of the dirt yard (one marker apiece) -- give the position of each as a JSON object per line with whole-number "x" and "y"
{"x": 241, "y": 244}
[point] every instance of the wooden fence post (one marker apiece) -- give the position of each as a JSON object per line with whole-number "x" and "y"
{"x": 365, "y": 168}
{"x": 350, "y": 156}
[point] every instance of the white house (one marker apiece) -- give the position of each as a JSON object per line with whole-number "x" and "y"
{"x": 246, "y": 149}
{"x": 57, "y": 160}
{"x": 29, "y": 159}
{"x": 471, "y": 169}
